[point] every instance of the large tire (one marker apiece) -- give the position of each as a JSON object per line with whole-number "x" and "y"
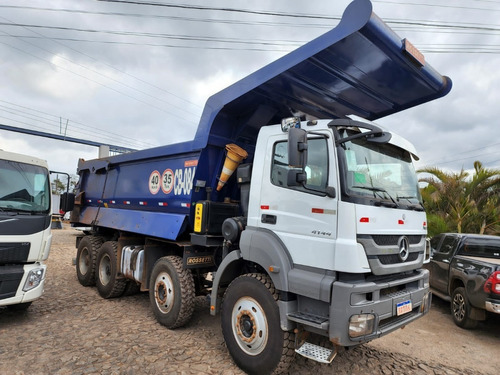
{"x": 171, "y": 292}
{"x": 109, "y": 285}
{"x": 251, "y": 326}
{"x": 86, "y": 258}
{"x": 461, "y": 309}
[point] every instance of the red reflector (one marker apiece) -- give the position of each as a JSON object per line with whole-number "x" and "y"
{"x": 264, "y": 207}
{"x": 364, "y": 220}
{"x": 317, "y": 211}
{"x": 401, "y": 222}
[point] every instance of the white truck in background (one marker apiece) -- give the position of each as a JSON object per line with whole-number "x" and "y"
{"x": 25, "y": 228}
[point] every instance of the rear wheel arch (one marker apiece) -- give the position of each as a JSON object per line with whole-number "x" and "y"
{"x": 454, "y": 284}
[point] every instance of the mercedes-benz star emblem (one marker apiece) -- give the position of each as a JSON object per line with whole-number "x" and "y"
{"x": 404, "y": 248}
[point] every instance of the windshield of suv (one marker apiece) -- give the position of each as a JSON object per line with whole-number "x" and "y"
{"x": 380, "y": 173}
{"x": 23, "y": 188}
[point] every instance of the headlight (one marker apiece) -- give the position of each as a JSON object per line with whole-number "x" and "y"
{"x": 361, "y": 325}
{"x": 34, "y": 279}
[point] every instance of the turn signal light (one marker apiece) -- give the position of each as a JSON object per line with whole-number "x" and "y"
{"x": 492, "y": 285}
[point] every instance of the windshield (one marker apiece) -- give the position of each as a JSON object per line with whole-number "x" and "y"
{"x": 23, "y": 188}
{"x": 378, "y": 174}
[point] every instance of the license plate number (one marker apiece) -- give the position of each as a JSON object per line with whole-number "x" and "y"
{"x": 403, "y": 307}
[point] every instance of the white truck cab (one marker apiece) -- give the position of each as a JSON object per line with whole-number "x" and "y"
{"x": 25, "y": 228}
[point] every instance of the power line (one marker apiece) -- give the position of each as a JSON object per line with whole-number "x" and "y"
{"x": 105, "y": 76}
{"x": 179, "y": 18}
{"x": 233, "y": 10}
{"x": 54, "y": 121}
{"x": 93, "y": 80}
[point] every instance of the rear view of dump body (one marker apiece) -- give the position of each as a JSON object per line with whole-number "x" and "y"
{"x": 319, "y": 231}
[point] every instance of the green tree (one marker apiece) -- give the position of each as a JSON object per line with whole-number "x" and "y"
{"x": 457, "y": 203}
{"x": 58, "y": 187}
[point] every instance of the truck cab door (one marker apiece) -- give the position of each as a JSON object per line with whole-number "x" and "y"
{"x": 303, "y": 217}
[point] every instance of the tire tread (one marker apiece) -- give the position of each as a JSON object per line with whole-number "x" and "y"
{"x": 95, "y": 243}
{"x": 119, "y": 284}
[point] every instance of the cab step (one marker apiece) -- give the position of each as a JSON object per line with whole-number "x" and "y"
{"x": 316, "y": 353}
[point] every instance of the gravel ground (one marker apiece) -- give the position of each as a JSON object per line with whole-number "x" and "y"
{"x": 71, "y": 330}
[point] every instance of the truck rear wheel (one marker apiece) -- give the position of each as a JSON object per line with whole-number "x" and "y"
{"x": 107, "y": 281}
{"x": 85, "y": 259}
{"x": 461, "y": 309}
{"x": 251, "y": 326}
{"x": 171, "y": 292}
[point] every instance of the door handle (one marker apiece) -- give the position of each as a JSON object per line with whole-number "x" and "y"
{"x": 268, "y": 219}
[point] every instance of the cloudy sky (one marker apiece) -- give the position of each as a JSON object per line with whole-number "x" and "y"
{"x": 137, "y": 74}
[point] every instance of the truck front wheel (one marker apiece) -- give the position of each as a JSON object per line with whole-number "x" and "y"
{"x": 251, "y": 326}
{"x": 171, "y": 292}
{"x": 85, "y": 259}
{"x": 109, "y": 285}
{"x": 461, "y": 309}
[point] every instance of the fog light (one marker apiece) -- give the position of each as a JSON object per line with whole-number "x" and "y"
{"x": 34, "y": 279}
{"x": 361, "y": 325}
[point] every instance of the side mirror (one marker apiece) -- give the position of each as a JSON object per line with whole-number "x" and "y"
{"x": 297, "y": 157}
{"x": 297, "y": 148}
{"x": 67, "y": 202}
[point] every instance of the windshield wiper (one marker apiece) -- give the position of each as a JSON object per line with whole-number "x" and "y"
{"x": 14, "y": 211}
{"x": 379, "y": 190}
{"x": 412, "y": 206}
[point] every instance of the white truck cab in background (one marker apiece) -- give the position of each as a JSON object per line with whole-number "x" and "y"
{"x": 25, "y": 228}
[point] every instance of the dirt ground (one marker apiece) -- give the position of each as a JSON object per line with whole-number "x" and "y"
{"x": 71, "y": 330}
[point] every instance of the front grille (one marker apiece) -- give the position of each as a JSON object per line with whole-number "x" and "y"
{"x": 394, "y": 258}
{"x": 14, "y": 252}
{"x": 392, "y": 240}
{"x": 10, "y": 278}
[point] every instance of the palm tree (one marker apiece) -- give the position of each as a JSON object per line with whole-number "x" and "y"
{"x": 457, "y": 203}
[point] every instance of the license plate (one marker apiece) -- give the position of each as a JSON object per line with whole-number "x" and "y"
{"x": 403, "y": 307}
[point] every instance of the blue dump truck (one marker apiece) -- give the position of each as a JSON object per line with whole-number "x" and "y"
{"x": 297, "y": 215}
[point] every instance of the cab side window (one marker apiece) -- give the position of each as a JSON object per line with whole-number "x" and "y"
{"x": 448, "y": 244}
{"x": 316, "y": 168}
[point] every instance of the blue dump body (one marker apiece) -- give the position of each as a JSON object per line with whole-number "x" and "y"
{"x": 361, "y": 67}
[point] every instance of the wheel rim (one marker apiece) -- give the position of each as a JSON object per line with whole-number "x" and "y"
{"x": 84, "y": 261}
{"x": 459, "y": 307}
{"x": 249, "y": 324}
{"x": 164, "y": 292}
{"x": 105, "y": 270}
